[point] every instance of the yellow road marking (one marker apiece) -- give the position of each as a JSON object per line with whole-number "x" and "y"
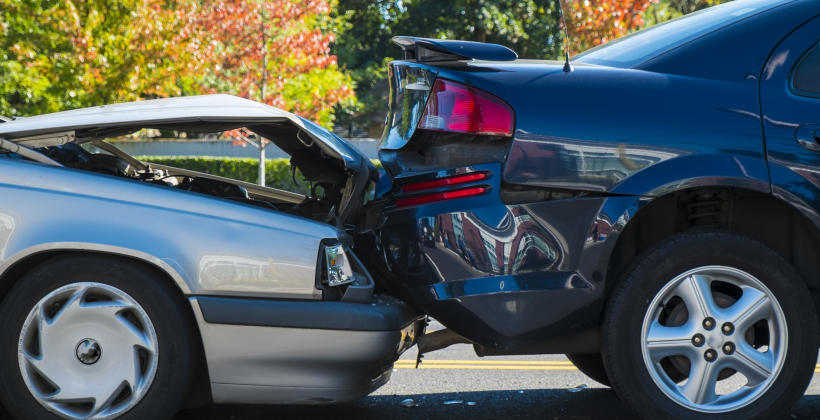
{"x": 496, "y": 365}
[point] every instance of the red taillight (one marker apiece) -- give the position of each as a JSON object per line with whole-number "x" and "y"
{"x": 430, "y": 198}
{"x": 443, "y": 182}
{"x": 463, "y": 109}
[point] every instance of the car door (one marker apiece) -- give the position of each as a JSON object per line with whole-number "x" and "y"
{"x": 790, "y": 109}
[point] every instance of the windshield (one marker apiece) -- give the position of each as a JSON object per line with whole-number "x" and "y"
{"x": 643, "y": 45}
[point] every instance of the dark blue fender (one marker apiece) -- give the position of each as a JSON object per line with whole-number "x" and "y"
{"x": 797, "y": 190}
{"x": 507, "y": 274}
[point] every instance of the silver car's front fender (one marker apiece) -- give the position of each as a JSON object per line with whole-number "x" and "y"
{"x": 207, "y": 245}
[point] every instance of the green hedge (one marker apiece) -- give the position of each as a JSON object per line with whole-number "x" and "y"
{"x": 277, "y": 171}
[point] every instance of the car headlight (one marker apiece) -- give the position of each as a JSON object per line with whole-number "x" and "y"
{"x": 338, "y": 267}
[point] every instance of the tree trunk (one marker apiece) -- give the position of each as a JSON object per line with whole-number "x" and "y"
{"x": 261, "y": 162}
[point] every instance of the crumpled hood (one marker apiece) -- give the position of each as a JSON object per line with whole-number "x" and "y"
{"x": 202, "y": 113}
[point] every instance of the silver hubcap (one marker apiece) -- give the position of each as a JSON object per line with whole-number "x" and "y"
{"x": 87, "y": 350}
{"x": 714, "y": 339}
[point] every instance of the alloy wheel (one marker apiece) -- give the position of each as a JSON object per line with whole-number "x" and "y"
{"x": 734, "y": 350}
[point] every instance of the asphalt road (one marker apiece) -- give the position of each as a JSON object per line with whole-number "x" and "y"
{"x": 456, "y": 384}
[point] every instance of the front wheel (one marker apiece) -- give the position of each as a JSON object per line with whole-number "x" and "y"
{"x": 711, "y": 324}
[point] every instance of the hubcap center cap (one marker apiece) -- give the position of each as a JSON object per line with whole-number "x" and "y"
{"x": 88, "y": 351}
{"x": 713, "y": 340}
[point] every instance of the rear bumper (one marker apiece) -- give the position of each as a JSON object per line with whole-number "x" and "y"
{"x": 267, "y": 351}
{"x": 503, "y": 275}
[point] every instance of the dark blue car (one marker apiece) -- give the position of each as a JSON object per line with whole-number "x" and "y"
{"x": 652, "y": 210}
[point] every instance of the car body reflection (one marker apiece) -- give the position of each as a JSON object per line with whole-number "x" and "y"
{"x": 517, "y": 244}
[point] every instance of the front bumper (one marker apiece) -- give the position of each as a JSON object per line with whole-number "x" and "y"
{"x": 265, "y": 351}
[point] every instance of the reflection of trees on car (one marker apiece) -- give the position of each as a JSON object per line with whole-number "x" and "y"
{"x": 515, "y": 245}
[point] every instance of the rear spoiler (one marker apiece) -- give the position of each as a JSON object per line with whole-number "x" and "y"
{"x": 427, "y": 50}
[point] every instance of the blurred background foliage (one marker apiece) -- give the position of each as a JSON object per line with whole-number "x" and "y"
{"x": 322, "y": 59}
{"x": 278, "y": 173}
{"x": 63, "y": 54}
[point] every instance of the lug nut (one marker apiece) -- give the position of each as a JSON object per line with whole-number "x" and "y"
{"x": 698, "y": 340}
{"x": 728, "y": 328}
{"x": 729, "y": 347}
{"x": 710, "y": 355}
{"x": 709, "y": 323}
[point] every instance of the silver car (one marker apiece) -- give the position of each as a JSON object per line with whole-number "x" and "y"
{"x": 130, "y": 288}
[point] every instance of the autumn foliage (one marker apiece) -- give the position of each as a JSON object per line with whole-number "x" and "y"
{"x": 66, "y": 54}
{"x": 594, "y": 22}
{"x": 275, "y": 51}
{"x": 63, "y": 54}
{"x": 56, "y": 55}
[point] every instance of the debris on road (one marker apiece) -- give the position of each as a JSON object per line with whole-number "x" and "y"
{"x": 578, "y": 388}
{"x": 408, "y": 403}
{"x": 452, "y": 402}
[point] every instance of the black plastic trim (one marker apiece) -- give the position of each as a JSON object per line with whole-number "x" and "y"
{"x": 793, "y": 73}
{"x": 430, "y": 50}
{"x": 384, "y": 313}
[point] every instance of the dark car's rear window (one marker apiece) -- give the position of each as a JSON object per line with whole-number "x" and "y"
{"x": 806, "y": 79}
{"x": 643, "y": 45}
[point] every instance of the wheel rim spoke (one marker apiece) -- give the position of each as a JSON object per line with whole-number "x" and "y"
{"x": 697, "y": 295}
{"x": 97, "y": 352}
{"x": 665, "y": 341}
{"x": 700, "y": 387}
{"x": 754, "y": 365}
{"x": 752, "y": 306}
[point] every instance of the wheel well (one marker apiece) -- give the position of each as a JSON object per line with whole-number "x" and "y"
{"x": 759, "y": 216}
{"x": 201, "y": 385}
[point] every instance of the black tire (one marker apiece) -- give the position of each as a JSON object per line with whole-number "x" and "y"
{"x": 624, "y": 317}
{"x": 591, "y": 365}
{"x": 163, "y": 305}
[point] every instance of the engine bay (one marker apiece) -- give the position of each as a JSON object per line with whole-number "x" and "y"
{"x": 320, "y": 204}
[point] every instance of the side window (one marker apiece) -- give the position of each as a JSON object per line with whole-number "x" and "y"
{"x": 806, "y": 75}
